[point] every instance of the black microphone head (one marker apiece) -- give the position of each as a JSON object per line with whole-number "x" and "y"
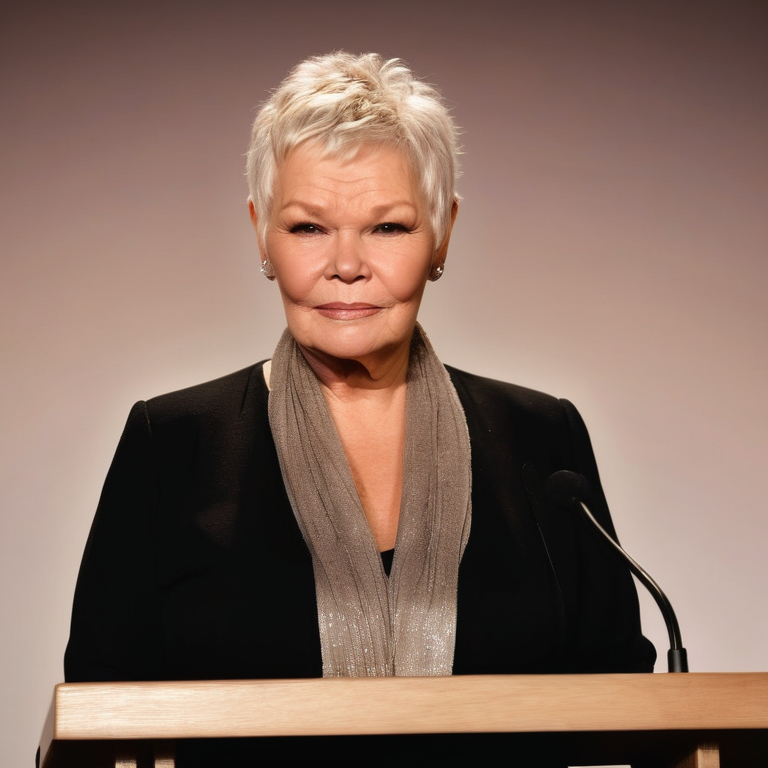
{"x": 565, "y": 487}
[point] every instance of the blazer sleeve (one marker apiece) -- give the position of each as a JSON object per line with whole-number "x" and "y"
{"x": 113, "y": 621}
{"x": 606, "y": 633}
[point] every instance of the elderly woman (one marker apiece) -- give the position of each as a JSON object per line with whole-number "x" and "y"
{"x": 351, "y": 507}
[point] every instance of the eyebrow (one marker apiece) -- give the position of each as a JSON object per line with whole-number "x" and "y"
{"x": 311, "y": 209}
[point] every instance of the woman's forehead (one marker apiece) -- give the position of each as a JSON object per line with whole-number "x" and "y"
{"x": 372, "y": 168}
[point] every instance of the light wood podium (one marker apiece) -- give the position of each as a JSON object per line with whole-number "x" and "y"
{"x": 702, "y": 720}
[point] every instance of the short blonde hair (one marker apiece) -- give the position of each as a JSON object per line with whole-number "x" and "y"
{"x": 343, "y": 101}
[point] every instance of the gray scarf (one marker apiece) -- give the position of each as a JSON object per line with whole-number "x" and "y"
{"x": 371, "y": 625}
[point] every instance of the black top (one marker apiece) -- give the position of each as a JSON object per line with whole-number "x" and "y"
{"x": 387, "y": 558}
{"x": 195, "y": 567}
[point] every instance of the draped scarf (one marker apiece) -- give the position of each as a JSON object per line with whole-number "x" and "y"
{"x": 371, "y": 624}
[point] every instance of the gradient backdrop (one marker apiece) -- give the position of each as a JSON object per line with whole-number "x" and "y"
{"x": 610, "y": 248}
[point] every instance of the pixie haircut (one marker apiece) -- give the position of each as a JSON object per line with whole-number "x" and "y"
{"x": 342, "y": 101}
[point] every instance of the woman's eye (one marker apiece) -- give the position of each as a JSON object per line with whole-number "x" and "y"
{"x": 390, "y": 228}
{"x": 305, "y": 228}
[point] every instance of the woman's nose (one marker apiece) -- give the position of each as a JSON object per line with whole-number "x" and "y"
{"x": 347, "y": 260}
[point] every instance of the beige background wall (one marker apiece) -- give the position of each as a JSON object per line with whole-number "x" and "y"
{"x": 611, "y": 248}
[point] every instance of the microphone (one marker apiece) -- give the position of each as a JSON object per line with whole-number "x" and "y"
{"x": 568, "y": 489}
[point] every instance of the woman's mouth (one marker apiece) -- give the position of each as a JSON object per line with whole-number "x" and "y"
{"x": 337, "y": 310}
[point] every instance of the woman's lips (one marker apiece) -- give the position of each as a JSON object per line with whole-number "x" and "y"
{"x": 339, "y": 311}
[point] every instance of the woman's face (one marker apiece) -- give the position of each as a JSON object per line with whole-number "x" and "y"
{"x": 351, "y": 246}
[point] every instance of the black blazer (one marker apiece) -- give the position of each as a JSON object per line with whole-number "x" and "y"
{"x": 195, "y": 567}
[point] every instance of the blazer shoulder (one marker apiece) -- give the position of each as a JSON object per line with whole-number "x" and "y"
{"x": 227, "y": 397}
{"x": 507, "y": 417}
{"x": 492, "y": 395}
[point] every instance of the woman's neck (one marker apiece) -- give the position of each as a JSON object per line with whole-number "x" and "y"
{"x": 366, "y": 400}
{"x": 375, "y": 378}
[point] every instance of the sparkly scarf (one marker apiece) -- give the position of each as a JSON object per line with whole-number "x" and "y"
{"x": 371, "y": 624}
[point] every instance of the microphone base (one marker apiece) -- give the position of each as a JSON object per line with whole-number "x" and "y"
{"x": 677, "y": 660}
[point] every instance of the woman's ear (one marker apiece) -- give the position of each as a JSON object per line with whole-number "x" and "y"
{"x": 266, "y": 267}
{"x": 252, "y": 211}
{"x": 255, "y": 222}
{"x": 442, "y": 250}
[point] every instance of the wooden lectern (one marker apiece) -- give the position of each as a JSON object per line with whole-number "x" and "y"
{"x": 685, "y": 720}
